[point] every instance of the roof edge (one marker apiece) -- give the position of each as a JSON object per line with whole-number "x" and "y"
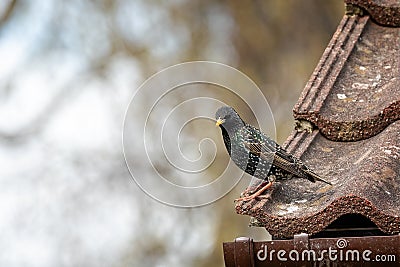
{"x": 383, "y": 12}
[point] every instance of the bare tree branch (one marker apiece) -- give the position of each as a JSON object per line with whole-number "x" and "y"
{"x": 37, "y": 124}
{"x": 7, "y": 13}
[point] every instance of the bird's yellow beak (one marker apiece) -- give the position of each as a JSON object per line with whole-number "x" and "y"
{"x": 219, "y": 122}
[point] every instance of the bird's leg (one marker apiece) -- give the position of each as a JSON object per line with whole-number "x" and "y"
{"x": 257, "y": 187}
{"x": 257, "y": 193}
{"x": 259, "y": 190}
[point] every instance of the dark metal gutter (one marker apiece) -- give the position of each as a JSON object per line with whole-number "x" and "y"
{"x": 305, "y": 251}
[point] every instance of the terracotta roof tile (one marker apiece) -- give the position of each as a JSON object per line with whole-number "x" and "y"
{"x": 384, "y": 12}
{"x": 366, "y": 178}
{"x": 353, "y": 95}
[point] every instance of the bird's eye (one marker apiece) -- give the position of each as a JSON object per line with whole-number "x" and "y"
{"x": 227, "y": 116}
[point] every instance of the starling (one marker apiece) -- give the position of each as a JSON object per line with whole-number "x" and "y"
{"x": 257, "y": 154}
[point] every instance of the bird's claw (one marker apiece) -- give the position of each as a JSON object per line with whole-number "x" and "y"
{"x": 247, "y": 198}
{"x": 256, "y": 194}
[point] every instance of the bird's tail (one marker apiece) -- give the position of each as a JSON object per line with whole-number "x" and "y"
{"x": 312, "y": 176}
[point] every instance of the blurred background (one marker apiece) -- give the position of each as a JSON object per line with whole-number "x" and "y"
{"x": 68, "y": 70}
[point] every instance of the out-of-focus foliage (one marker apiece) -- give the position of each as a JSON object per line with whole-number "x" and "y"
{"x": 68, "y": 70}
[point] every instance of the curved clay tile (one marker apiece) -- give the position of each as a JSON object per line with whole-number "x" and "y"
{"x": 354, "y": 93}
{"x": 366, "y": 180}
{"x": 384, "y": 12}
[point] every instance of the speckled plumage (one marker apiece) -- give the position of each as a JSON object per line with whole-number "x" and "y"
{"x": 256, "y": 153}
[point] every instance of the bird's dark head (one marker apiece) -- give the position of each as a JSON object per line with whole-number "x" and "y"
{"x": 228, "y": 118}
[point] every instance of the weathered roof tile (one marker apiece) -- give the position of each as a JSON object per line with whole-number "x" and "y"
{"x": 384, "y": 12}
{"x": 366, "y": 178}
{"x": 353, "y": 95}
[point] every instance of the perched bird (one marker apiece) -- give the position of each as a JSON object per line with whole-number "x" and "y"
{"x": 257, "y": 154}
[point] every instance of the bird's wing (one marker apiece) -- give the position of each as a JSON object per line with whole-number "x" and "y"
{"x": 260, "y": 144}
{"x": 261, "y": 150}
{"x": 270, "y": 151}
{"x": 288, "y": 163}
{"x": 279, "y": 158}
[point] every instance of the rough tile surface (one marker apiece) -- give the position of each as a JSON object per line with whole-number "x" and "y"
{"x": 352, "y": 101}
